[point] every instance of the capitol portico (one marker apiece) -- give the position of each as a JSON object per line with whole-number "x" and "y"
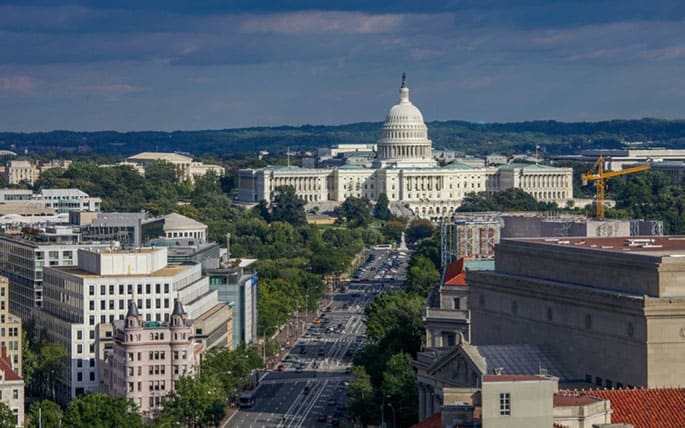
{"x": 405, "y": 170}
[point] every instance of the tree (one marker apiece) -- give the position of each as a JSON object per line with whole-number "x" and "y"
{"x": 7, "y": 418}
{"x": 393, "y": 228}
{"x": 399, "y": 388}
{"x": 195, "y": 402}
{"x": 288, "y": 207}
{"x": 356, "y": 211}
{"x": 422, "y": 276}
{"x": 360, "y": 397}
{"x": 50, "y": 413}
{"x": 102, "y": 411}
{"x": 419, "y": 229}
{"x": 381, "y": 210}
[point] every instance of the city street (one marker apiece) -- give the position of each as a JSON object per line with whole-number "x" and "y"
{"x": 308, "y": 387}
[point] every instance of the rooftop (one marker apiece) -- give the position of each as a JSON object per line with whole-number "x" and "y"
{"x": 169, "y": 270}
{"x": 673, "y": 245}
{"x": 646, "y": 408}
{"x": 169, "y": 157}
{"x": 573, "y": 398}
{"x": 524, "y": 359}
{"x": 516, "y": 165}
{"x": 512, "y": 378}
{"x": 455, "y": 274}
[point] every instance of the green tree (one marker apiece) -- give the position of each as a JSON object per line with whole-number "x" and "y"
{"x": 419, "y": 229}
{"x": 399, "y": 388}
{"x": 7, "y": 418}
{"x": 101, "y": 411}
{"x": 422, "y": 276}
{"x": 195, "y": 402}
{"x": 232, "y": 368}
{"x": 356, "y": 211}
{"x": 288, "y": 207}
{"x": 360, "y": 397}
{"x": 50, "y": 413}
{"x": 393, "y": 228}
{"x": 381, "y": 210}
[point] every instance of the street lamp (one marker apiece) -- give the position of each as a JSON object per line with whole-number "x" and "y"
{"x": 393, "y": 414}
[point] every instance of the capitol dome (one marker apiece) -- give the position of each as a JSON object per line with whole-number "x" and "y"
{"x": 404, "y": 137}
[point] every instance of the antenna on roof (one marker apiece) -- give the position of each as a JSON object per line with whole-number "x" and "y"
{"x": 288, "y": 155}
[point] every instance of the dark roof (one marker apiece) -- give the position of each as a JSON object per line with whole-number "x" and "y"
{"x": 178, "y": 308}
{"x": 132, "y": 309}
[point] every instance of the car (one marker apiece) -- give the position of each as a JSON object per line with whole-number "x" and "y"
{"x": 322, "y": 352}
{"x": 348, "y": 370}
{"x": 299, "y": 369}
{"x": 288, "y": 358}
{"x": 280, "y": 368}
{"x": 306, "y": 390}
{"x": 321, "y": 418}
{"x": 332, "y": 402}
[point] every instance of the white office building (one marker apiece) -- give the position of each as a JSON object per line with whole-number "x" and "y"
{"x": 79, "y": 299}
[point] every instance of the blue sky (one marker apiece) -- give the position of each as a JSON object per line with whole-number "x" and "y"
{"x": 168, "y": 65}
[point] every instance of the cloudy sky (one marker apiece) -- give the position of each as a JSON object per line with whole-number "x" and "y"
{"x": 171, "y": 64}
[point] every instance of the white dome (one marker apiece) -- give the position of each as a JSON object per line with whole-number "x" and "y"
{"x": 404, "y": 113}
{"x": 404, "y": 137}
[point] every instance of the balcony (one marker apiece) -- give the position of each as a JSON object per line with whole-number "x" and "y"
{"x": 437, "y": 314}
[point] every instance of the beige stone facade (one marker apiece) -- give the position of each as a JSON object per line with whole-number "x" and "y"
{"x": 186, "y": 168}
{"x": 10, "y": 328}
{"x": 18, "y": 171}
{"x": 612, "y": 309}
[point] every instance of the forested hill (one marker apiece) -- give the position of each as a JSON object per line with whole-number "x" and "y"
{"x": 471, "y": 138}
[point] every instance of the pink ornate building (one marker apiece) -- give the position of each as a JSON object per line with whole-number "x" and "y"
{"x": 149, "y": 356}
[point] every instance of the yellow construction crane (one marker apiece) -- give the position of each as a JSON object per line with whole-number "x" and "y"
{"x": 598, "y": 174}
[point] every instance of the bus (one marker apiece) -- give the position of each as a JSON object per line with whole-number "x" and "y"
{"x": 382, "y": 247}
{"x": 246, "y": 399}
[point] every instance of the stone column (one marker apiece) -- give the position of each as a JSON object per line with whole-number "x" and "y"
{"x": 422, "y": 402}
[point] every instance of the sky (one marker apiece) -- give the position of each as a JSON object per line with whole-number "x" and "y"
{"x": 131, "y": 65}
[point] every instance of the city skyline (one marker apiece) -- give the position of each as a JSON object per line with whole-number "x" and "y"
{"x": 167, "y": 65}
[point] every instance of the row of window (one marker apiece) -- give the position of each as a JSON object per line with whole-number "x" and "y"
{"x": 104, "y": 304}
{"x": 129, "y": 289}
{"x": 104, "y": 318}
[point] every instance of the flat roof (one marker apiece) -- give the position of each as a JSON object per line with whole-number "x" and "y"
{"x": 513, "y": 378}
{"x": 672, "y": 245}
{"x": 169, "y": 270}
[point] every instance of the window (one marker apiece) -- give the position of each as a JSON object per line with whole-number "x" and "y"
{"x": 505, "y": 404}
{"x": 15, "y": 394}
{"x": 457, "y": 303}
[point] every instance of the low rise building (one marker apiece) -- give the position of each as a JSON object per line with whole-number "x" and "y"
{"x": 186, "y": 168}
{"x": 611, "y": 309}
{"x": 174, "y": 226}
{"x": 21, "y": 171}
{"x": 11, "y": 388}
{"x": 148, "y": 357}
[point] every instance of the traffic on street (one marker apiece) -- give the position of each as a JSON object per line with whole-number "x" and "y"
{"x": 308, "y": 386}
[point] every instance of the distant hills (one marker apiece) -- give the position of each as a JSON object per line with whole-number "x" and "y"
{"x": 470, "y": 138}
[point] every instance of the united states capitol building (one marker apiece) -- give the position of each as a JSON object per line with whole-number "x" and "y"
{"x": 403, "y": 167}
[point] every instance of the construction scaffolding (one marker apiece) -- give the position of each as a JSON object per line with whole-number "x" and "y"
{"x": 470, "y": 235}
